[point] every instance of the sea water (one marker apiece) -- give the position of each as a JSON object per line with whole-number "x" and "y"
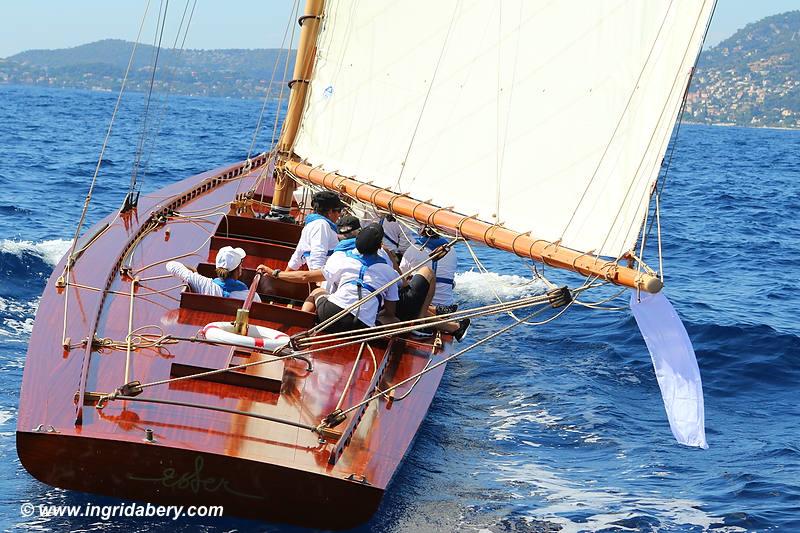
{"x": 558, "y": 427}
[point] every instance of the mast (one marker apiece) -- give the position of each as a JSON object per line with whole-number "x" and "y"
{"x": 493, "y": 235}
{"x": 303, "y": 65}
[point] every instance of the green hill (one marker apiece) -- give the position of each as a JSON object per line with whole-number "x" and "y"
{"x": 751, "y": 78}
{"x": 101, "y": 66}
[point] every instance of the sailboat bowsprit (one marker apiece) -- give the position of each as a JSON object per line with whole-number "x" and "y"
{"x": 523, "y": 126}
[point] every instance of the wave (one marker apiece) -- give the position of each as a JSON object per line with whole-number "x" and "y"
{"x": 736, "y": 356}
{"x": 485, "y": 287}
{"x": 572, "y": 506}
{"x": 25, "y": 266}
{"x": 13, "y": 210}
{"x": 16, "y": 319}
{"x": 50, "y": 251}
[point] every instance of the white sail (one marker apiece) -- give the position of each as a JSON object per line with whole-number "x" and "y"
{"x": 548, "y": 116}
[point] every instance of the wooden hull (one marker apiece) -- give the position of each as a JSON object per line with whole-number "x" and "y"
{"x": 212, "y": 441}
{"x": 145, "y": 472}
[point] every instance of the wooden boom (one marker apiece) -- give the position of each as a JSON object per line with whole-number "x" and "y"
{"x": 493, "y": 235}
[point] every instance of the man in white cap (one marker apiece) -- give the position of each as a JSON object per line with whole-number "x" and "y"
{"x": 227, "y": 284}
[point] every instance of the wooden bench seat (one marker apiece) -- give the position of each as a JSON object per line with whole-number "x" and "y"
{"x": 259, "y": 311}
{"x": 268, "y": 287}
{"x": 270, "y": 254}
{"x": 256, "y": 229}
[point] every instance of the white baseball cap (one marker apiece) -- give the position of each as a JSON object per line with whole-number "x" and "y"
{"x": 229, "y": 257}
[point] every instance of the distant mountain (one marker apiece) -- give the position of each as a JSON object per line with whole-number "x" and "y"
{"x": 752, "y": 78}
{"x": 101, "y": 66}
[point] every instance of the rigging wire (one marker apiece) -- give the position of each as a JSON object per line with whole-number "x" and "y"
{"x": 662, "y": 181}
{"x": 622, "y": 116}
{"x": 162, "y": 108}
{"x": 664, "y": 111}
{"x": 268, "y": 93}
{"x": 90, "y": 192}
{"x": 157, "y": 38}
{"x": 453, "y": 18}
{"x": 275, "y": 137}
{"x": 451, "y": 357}
{"x": 501, "y": 150}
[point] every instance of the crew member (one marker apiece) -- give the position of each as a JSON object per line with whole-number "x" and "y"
{"x": 229, "y": 270}
{"x": 394, "y": 238}
{"x": 444, "y": 270}
{"x": 318, "y": 238}
{"x": 351, "y": 274}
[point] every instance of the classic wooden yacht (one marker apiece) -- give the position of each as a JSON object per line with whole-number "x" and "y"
{"x": 123, "y": 395}
{"x": 244, "y": 439}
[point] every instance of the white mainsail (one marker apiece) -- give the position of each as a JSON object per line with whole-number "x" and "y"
{"x": 547, "y": 116}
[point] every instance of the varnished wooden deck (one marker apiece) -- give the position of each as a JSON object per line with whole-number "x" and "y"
{"x": 256, "y": 468}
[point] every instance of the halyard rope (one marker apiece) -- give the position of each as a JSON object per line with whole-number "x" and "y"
{"x": 444, "y": 361}
{"x": 305, "y": 352}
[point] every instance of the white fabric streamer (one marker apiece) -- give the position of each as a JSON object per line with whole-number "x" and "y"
{"x": 675, "y": 366}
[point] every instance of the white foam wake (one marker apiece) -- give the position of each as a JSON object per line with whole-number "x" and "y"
{"x": 50, "y": 251}
{"x": 603, "y": 507}
{"x": 485, "y": 287}
{"x": 17, "y": 325}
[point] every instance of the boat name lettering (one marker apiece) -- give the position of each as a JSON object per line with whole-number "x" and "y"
{"x": 193, "y": 481}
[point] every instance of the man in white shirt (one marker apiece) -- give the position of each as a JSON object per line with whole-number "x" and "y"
{"x": 318, "y": 238}
{"x": 394, "y": 238}
{"x": 352, "y": 274}
{"x": 226, "y": 284}
{"x": 445, "y": 268}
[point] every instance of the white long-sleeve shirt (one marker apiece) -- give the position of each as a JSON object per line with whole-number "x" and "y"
{"x": 342, "y": 270}
{"x": 445, "y": 271}
{"x": 316, "y": 244}
{"x": 394, "y": 238}
{"x": 201, "y": 284}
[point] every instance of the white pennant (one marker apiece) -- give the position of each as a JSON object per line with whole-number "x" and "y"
{"x": 675, "y": 366}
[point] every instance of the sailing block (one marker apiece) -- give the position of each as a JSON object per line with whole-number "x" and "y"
{"x": 267, "y": 377}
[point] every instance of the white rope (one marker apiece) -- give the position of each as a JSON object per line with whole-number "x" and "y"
{"x": 484, "y": 270}
{"x": 453, "y": 356}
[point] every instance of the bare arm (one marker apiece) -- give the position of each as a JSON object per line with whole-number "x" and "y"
{"x": 294, "y": 276}
{"x": 388, "y": 315}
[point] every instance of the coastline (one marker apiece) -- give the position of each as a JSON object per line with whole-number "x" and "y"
{"x": 734, "y": 125}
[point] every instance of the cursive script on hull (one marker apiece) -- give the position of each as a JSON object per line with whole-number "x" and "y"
{"x": 194, "y": 481}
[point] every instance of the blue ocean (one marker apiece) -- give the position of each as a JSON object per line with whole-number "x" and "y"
{"x": 552, "y": 428}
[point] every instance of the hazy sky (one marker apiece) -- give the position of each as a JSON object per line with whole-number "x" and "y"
{"x": 29, "y": 24}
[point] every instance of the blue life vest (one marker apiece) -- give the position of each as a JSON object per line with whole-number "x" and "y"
{"x": 366, "y": 262}
{"x": 311, "y": 218}
{"x": 431, "y": 244}
{"x": 315, "y": 216}
{"x": 346, "y": 245}
{"x": 229, "y": 285}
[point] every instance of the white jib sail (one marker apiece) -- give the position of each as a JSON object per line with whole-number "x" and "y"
{"x": 675, "y": 366}
{"x": 548, "y": 116}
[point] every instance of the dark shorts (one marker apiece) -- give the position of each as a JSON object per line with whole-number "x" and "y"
{"x": 326, "y": 309}
{"x": 412, "y": 297}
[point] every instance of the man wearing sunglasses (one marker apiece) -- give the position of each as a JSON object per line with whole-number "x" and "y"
{"x": 319, "y": 235}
